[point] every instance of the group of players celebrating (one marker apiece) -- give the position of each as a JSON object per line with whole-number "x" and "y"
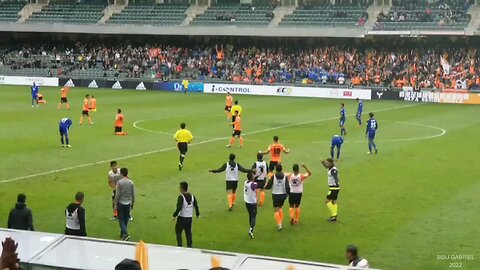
{"x": 260, "y": 177}
{"x": 283, "y": 185}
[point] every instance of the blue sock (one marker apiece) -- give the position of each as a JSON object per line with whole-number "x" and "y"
{"x": 374, "y": 145}
{"x": 61, "y": 139}
{"x": 360, "y": 121}
{"x": 68, "y": 141}
{"x": 331, "y": 152}
{"x": 370, "y": 146}
{"x": 338, "y": 153}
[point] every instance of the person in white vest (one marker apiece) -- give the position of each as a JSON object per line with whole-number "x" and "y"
{"x": 280, "y": 188}
{"x": 260, "y": 168}
{"x": 186, "y": 203}
{"x": 295, "y": 181}
{"x": 75, "y": 217}
{"x": 250, "y": 197}
{"x": 333, "y": 189}
{"x": 113, "y": 176}
{"x": 231, "y": 169}
{"x": 351, "y": 254}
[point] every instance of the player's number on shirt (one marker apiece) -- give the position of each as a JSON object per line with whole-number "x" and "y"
{"x": 373, "y": 124}
{"x": 261, "y": 168}
{"x": 277, "y": 151}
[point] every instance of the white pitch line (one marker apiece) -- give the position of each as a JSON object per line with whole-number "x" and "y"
{"x": 173, "y": 148}
{"x": 442, "y": 132}
{"x": 135, "y": 125}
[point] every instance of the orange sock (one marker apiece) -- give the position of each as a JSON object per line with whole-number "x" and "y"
{"x": 81, "y": 120}
{"x": 90, "y": 120}
{"x": 292, "y": 213}
{"x": 230, "y": 200}
{"x": 234, "y": 198}
{"x": 262, "y": 197}
{"x": 121, "y": 133}
{"x": 281, "y": 216}
{"x": 297, "y": 214}
{"x": 276, "y": 215}
{"x": 68, "y": 106}
{"x": 232, "y": 140}
{"x": 241, "y": 141}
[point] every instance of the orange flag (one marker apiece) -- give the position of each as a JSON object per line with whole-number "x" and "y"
{"x": 141, "y": 254}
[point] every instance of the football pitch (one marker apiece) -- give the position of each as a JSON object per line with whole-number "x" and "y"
{"x": 408, "y": 207}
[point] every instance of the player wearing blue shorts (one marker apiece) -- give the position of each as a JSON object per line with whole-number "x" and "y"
{"x": 64, "y": 127}
{"x": 35, "y": 90}
{"x": 337, "y": 142}
{"x": 359, "y": 112}
{"x": 343, "y": 118}
{"x": 372, "y": 126}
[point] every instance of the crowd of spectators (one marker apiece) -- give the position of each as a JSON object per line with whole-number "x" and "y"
{"x": 446, "y": 12}
{"x": 416, "y": 67}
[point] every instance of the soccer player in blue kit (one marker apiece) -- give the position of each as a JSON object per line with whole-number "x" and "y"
{"x": 35, "y": 90}
{"x": 372, "y": 127}
{"x": 337, "y": 142}
{"x": 64, "y": 127}
{"x": 359, "y": 112}
{"x": 343, "y": 118}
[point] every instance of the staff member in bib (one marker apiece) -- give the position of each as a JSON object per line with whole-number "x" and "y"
{"x": 261, "y": 171}
{"x": 231, "y": 169}
{"x": 333, "y": 188}
{"x": 185, "y": 204}
{"x": 250, "y": 198}
{"x": 183, "y": 137}
{"x": 75, "y": 217}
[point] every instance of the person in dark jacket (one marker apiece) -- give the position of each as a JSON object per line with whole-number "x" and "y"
{"x": 20, "y": 217}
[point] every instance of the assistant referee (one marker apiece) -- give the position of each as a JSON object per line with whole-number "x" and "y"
{"x": 183, "y": 137}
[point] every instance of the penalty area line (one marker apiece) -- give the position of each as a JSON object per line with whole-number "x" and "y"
{"x": 192, "y": 144}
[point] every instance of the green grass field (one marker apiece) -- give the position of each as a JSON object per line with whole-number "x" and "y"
{"x": 417, "y": 199}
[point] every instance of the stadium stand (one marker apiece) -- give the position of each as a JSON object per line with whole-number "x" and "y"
{"x": 235, "y": 14}
{"x": 68, "y": 12}
{"x": 9, "y": 11}
{"x": 422, "y": 14}
{"x": 148, "y": 12}
{"x": 440, "y": 67}
{"x": 327, "y": 16}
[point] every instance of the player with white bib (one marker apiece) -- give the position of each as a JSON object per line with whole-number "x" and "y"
{"x": 260, "y": 168}
{"x": 280, "y": 188}
{"x": 250, "y": 198}
{"x": 231, "y": 169}
{"x": 295, "y": 180}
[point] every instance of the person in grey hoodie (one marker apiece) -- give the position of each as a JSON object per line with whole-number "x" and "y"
{"x": 20, "y": 217}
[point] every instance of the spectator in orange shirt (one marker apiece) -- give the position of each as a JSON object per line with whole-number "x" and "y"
{"x": 119, "y": 124}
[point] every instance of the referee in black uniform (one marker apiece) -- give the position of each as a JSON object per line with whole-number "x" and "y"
{"x": 183, "y": 137}
{"x": 185, "y": 204}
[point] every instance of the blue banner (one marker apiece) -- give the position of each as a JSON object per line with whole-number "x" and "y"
{"x": 177, "y": 86}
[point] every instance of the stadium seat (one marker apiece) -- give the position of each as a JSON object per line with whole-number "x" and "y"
{"x": 150, "y": 13}
{"x": 9, "y": 11}
{"x": 74, "y": 13}
{"x": 234, "y": 14}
